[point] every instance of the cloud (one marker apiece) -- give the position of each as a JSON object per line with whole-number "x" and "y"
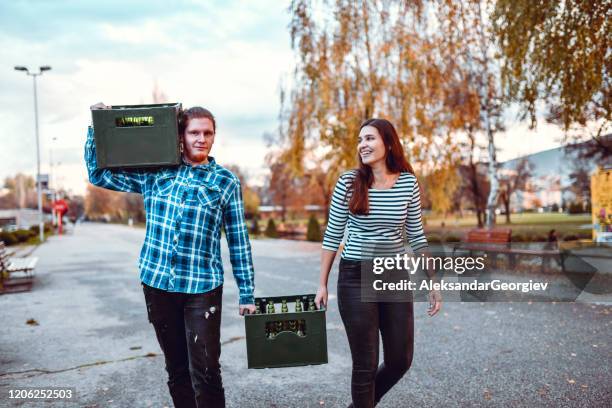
{"x": 228, "y": 57}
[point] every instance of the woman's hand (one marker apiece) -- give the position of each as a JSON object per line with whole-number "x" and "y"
{"x": 321, "y": 297}
{"x": 435, "y": 302}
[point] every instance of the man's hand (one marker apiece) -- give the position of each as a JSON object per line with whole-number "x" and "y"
{"x": 435, "y": 302}
{"x": 99, "y": 105}
{"x": 249, "y": 309}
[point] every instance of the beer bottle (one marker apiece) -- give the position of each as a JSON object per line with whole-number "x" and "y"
{"x": 279, "y": 326}
{"x": 293, "y": 325}
{"x": 298, "y": 305}
{"x": 284, "y": 307}
{"x": 300, "y": 331}
{"x": 272, "y": 331}
{"x": 271, "y": 306}
{"x": 311, "y": 305}
{"x": 268, "y": 331}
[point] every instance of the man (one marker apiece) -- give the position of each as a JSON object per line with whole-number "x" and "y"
{"x": 180, "y": 262}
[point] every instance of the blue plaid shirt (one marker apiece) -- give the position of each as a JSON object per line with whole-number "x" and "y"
{"x": 186, "y": 207}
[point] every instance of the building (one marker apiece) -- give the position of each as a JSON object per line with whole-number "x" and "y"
{"x": 20, "y": 218}
{"x": 551, "y": 183}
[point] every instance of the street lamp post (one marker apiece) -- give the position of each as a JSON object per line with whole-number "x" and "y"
{"x": 41, "y": 223}
{"x": 52, "y": 181}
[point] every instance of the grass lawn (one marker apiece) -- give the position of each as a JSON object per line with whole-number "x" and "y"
{"x": 525, "y": 223}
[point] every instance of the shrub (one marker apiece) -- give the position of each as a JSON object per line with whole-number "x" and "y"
{"x": 24, "y": 235}
{"x": 575, "y": 208}
{"x": 313, "y": 233}
{"x": 271, "y": 229}
{"x": 570, "y": 237}
{"x": 520, "y": 238}
{"x": 9, "y": 238}
{"x": 48, "y": 228}
{"x": 434, "y": 239}
{"x": 254, "y": 230}
{"x": 452, "y": 238}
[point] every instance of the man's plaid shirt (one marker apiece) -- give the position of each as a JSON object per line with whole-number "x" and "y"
{"x": 185, "y": 207}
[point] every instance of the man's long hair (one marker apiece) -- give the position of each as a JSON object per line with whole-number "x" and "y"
{"x": 395, "y": 160}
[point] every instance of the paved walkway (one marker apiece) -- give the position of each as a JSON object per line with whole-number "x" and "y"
{"x": 92, "y": 334}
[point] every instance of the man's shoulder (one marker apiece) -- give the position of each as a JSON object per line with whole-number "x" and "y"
{"x": 160, "y": 172}
{"x": 226, "y": 176}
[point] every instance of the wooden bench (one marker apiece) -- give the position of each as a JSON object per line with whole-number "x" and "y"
{"x": 498, "y": 241}
{"x": 16, "y": 274}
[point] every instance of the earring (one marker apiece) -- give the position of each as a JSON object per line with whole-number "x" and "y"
{"x": 181, "y": 147}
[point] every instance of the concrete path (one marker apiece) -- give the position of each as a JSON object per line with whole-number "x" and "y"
{"x": 91, "y": 333}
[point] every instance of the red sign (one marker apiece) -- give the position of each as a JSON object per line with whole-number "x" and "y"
{"x": 60, "y": 206}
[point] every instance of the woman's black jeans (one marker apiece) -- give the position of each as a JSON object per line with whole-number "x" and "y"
{"x": 362, "y": 321}
{"x": 188, "y": 330}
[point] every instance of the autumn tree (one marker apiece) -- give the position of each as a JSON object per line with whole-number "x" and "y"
{"x": 369, "y": 58}
{"x": 559, "y": 54}
{"x": 21, "y": 192}
{"x": 513, "y": 180}
{"x": 317, "y": 189}
{"x": 76, "y": 207}
{"x": 130, "y": 205}
{"x": 476, "y": 55}
{"x": 281, "y": 182}
{"x": 440, "y": 186}
{"x": 98, "y": 201}
{"x": 473, "y": 188}
{"x": 114, "y": 205}
{"x": 250, "y": 195}
{"x": 580, "y": 183}
{"x": 474, "y": 185}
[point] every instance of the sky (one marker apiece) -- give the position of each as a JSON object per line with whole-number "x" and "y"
{"x": 229, "y": 56}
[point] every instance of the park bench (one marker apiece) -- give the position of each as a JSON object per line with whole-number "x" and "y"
{"x": 498, "y": 241}
{"x": 16, "y": 274}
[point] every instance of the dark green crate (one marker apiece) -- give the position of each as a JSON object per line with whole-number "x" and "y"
{"x": 287, "y": 349}
{"x": 137, "y": 135}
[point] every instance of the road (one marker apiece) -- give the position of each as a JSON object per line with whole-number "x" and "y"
{"x": 92, "y": 334}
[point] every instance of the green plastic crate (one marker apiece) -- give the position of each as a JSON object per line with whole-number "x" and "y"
{"x": 137, "y": 135}
{"x": 286, "y": 348}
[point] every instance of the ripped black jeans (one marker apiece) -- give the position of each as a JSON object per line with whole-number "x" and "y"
{"x": 188, "y": 330}
{"x": 363, "y": 321}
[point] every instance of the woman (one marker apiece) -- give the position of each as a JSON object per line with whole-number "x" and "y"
{"x": 380, "y": 201}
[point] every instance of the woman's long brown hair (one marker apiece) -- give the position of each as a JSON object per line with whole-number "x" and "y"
{"x": 395, "y": 160}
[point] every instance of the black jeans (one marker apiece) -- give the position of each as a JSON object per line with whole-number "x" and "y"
{"x": 363, "y": 321}
{"x": 188, "y": 330}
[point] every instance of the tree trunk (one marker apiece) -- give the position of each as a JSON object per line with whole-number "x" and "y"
{"x": 507, "y": 207}
{"x": 492, "y": 199}
{"x": 476, "y": 193}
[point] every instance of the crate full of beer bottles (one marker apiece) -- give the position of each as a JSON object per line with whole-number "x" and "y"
{"x": 130, "y": 136}
{"x": 286, "y": 331}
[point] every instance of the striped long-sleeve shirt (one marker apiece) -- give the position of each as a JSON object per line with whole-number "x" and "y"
{"x": 186, "y": 208}
{"x": 394, "y": 216}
